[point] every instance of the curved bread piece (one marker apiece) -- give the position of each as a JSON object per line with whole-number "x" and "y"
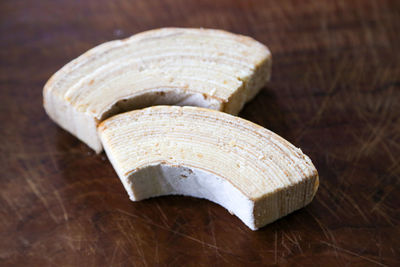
{"x": 171, "y": 66}
{"x": 247, "y": 169}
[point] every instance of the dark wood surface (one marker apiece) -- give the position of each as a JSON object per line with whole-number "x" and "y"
{"x": 335, "y": 92}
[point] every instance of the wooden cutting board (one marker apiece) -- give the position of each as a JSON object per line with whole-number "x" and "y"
{"x": 335, "y": 92}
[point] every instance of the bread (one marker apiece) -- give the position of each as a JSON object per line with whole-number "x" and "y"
{"x": 172, "y": 66}
{"x": 249, "y": 170}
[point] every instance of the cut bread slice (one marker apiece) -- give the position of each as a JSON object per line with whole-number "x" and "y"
{"x": 249, "y": 170}
{"x": 170, "y": 66}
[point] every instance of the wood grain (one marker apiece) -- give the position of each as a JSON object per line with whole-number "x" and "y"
{"x": 335, "y": 92}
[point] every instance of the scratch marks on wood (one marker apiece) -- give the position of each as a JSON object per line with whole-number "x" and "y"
{"x": 290, "y": 243}
{"x": 164, "y": 217}
{"x": 133, "y": 238}
{"x": 42, "y": 199}
{"x": 380, "y": 121}
{"x": 355, "y": 205}
{"x": 328, "y": 208}
{"x": 382, "y": 199}
{"x": 77, "y": 241}
{"x": 138, "y": 245}
{"x": 212, "y": 229}
{"x": 171, "y": 230}
{"x": 332, "y": 87}
{"x": 61, "y": 202}
{"x": 293, "y": 239}
{"x": 283, "y": 244}
{"x": 12, "y": 205}
{"x": 114, "y": 253}
{"x": 328, "y": 234}
{"x": 353, "y": 253}
{"x": 381, "y": 211}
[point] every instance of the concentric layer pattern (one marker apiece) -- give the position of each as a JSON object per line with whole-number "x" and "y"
{"x": 248, "y": 169}
{"x": 172, "y": 66}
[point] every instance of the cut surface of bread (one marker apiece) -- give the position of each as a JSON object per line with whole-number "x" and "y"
{"x": 170, "y": 66}
{"x": 249, "y": 170}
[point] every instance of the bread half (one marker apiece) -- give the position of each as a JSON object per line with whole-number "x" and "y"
{"x": 171, "y": 66}
{"x": 249, "y": 170}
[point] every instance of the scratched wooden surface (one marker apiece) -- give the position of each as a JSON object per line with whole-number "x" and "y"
{"x": 335, "y": 92}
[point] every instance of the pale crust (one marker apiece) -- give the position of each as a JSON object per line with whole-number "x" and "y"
{"x": 269, "y": 176}
{"x": 175, "y": 66}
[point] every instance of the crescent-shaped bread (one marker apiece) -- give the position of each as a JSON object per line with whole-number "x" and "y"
{"x": 251, "y": 171}
{"x": 171, "y": 66}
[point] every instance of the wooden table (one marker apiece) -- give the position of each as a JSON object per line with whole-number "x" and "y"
{"x": 335, "y": 92}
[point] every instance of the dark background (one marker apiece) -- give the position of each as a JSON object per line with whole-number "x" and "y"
{"x": 335, "y": 92}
